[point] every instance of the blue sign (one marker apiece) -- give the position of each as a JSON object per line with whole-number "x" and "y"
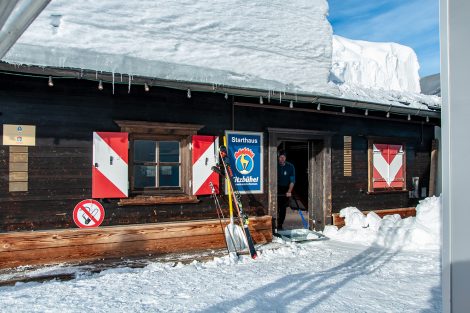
{"x": 245, "y": 152}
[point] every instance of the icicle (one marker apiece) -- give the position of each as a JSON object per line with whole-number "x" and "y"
{"x": 121, "y": 77}
{"x": 269, "y": 96}
{"x": 96, "y": 74}
{"x": 113, "y": 82}
{"x": 280, "y": 97}
{"x": 129, "y": 86}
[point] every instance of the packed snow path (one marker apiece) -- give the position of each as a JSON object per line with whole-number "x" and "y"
{"x": 322, "y": 276}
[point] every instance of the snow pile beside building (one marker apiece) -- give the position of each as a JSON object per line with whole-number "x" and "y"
{"x": 387, "y": 66}
{"x": 273, "y": 45}
{"x": 420, "y": 232}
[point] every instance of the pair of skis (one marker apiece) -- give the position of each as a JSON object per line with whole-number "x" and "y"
{"x": 224, "y": 169}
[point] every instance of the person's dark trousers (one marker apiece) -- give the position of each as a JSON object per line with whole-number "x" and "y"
{"x": 282, "y": 203}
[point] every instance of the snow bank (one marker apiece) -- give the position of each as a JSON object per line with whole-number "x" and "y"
{"x": 420, "y": 232}
{"x": 387, "y": 66}
{"x": 273, "y": 45}
{"x": 320, "y": 276}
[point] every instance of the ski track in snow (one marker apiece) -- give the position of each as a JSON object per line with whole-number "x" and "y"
{"x": 326, "y": 276}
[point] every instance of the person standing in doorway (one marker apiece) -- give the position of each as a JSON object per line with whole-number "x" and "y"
{"x": 285, "y": 185}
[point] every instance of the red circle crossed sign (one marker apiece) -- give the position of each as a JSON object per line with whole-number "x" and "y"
{"x": 88, "y": 213}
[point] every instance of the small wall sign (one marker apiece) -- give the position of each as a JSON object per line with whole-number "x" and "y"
{"x": 19, "y": 135}
{"x": 88, "y": 213}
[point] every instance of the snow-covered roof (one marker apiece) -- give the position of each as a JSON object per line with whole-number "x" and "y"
{"x": 380, "y": 72}
{"x": 281, "y": 46}
{"x": 261, "y": 44}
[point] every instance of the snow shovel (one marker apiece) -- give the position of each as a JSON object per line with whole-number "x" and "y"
{"x": 304, "y": 221}
{"x": 234, "y": 234}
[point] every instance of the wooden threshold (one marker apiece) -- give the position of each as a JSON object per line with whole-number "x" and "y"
{"x": 72, "y": 245}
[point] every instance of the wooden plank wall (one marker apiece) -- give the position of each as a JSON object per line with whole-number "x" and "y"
{"x": 47, "y": 247}
{"x": 353, "y": 190}
{"x": 59, "y": 173}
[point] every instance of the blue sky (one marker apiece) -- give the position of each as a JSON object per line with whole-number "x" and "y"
{"x": 413, "y": 23}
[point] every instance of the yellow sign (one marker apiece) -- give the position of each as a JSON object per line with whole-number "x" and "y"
{"x": 19, "y": 135}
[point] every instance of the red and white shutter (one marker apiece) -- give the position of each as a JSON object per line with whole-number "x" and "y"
{"x": 204, "y": 156}
{"x": 388, "y": 166}
{"x": 110, "y": 165}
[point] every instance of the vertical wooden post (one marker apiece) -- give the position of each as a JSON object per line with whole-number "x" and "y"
{"x": 316, "y": 184}
{"x": 327, "y": 192}
{"x": 433, "y": 169}
{"x": 272, "y": 176}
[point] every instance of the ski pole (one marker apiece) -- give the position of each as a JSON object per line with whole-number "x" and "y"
{"x": 219, "y": 209}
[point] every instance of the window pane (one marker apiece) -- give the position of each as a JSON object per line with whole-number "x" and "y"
{"x": 144, "y": 176}
{"x": 169, "y": 176}
{"x": 169, "y": 151}
{"x": 144, "y": 150}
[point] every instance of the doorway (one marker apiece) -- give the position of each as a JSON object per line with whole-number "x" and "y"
{"x": 314, "y": 186}
{"x": 297, "y": 155}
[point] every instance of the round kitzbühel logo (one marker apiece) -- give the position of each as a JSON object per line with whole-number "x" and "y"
{"x": 244, "y": 160}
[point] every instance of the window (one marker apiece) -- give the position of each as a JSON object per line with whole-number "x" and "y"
{"x": 157, "y": 164}
{"x": 159, "y": 161}
{"x": 387, "y": 166}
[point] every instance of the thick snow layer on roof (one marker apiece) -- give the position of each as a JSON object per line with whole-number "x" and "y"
{"x": 273, "y": 45}
{"x": 283, "y": 46}
{"x": 387, "y": 66}
{"x": 378, "y": 72}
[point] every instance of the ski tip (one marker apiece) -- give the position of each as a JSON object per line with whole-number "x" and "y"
{"x": 254, "y": 256}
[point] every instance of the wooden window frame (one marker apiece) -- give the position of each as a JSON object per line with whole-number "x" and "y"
{"x": 370, "y": 152}
{"x": 183, "y": 180}
{"x": 182, "y": 133}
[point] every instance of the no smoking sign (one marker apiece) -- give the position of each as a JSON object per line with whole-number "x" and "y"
{"x": 88, "y": 213}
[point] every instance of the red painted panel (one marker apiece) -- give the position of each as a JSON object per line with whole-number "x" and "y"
{"x": 204, "y": 156}
{"x": 110, "y": 165}
{"x": 103, "y": 187}
{"x": 119, "y": 142}
{"x": 381, "y": 177}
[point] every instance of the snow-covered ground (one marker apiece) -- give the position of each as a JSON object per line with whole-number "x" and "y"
{"x": 319, "y": 276}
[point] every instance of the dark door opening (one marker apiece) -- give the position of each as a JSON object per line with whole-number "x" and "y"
{"x": 297, "y": 154}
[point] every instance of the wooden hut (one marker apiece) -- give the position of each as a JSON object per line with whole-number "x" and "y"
{"x": 339, "y": 147}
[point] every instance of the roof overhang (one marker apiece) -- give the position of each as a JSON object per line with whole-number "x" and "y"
{"x": 314, "y": 99}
